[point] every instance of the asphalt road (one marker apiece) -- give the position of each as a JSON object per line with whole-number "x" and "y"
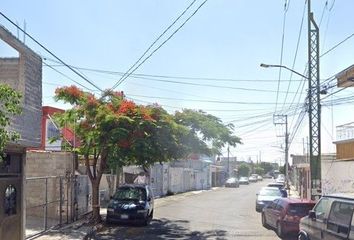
{"x": 224, "y": 213}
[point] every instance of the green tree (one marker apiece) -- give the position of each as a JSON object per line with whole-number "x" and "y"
{"x": 244, "y": 170}
{"x": 212, "y": 131}
{"x": 258, "y": 170}
{"x": 9, "y": 106}
{"x": 115, "y": 132}
{"x": 267, "y": 166}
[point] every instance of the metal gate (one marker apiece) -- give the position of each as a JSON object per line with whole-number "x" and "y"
{"x": 82, "y": 196}
{"x": 48, "y": 203}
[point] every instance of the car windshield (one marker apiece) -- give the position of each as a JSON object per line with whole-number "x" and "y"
{"x": 270, "y": 192}
{"x": 243, "y": 178}
{"x": 300, "y": 210}
{"x": 130, "y": 193}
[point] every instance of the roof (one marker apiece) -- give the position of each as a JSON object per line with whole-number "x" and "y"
{"x": 347, "y": 196}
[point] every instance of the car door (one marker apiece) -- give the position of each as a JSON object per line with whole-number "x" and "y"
{"x": 271, "y": 215}
{"x": 278, "y": 211}
{"x": 339, "y": 220}
{"x": 315, "y": 227}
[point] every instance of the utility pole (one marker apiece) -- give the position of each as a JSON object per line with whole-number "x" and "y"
{"x": 228, "y": 161}
{"x": 283, "y": 120}
{"x": 314, "y": 105}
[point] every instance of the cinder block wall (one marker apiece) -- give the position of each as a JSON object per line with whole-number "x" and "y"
{"x": 24, "y": 74}
{"x": 41, "y": 164}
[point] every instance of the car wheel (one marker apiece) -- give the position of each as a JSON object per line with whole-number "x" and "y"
{"x": 302, "y": 236}
{"x": 264, "y": 221}
{"x": 148, "y": 219}
{"x": 279, "y": 230}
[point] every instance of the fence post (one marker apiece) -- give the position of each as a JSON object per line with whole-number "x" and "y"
{"x": 60, "y": 201}
{"x": 46, "y": 205}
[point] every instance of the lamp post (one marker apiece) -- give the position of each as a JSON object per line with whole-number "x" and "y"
{"x": 315, "y": 126}
{"x": 282, "y": 66}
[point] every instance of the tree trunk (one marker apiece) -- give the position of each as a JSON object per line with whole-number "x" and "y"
{"x": 118, "y": 172}
{"x": 110, "y": 181}
{"x": 95, "y": 201}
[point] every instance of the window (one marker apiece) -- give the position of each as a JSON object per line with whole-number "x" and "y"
{"x": 52, "y": 131}
{"x": 130, "y": 193}
{"x": 321, "y": 208}
{"x": 340, "y": 217}
{"x": 10, "y": 200}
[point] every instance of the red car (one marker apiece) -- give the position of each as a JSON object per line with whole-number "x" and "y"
{"x": 284, "y": 215}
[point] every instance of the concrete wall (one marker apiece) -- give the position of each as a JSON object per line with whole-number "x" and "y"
{"x": 43, "y": 164}
{"x": 337, "y": 176}
{"x": 24, "y": 74}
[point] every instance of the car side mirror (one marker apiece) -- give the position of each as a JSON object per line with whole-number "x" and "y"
{"x": 149, "y": 199}
{"x": 312, "y": 215}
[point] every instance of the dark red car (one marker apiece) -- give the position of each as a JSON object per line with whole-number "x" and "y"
{"x": 284, "y": 215}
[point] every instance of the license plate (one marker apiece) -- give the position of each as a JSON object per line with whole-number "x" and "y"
{"x": 124, "y": 216}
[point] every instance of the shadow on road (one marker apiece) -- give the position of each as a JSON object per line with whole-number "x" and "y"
{"x": 158, "y": 229}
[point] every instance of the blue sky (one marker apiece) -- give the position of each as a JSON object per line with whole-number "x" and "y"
{"x": 225, "y": 39}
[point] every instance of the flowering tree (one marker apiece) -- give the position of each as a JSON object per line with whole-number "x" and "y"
{"x": 115, "y": 131}
{"x": 9, "y": 106}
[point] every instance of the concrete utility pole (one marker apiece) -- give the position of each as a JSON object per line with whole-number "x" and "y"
{"x": 283, "y": 120}
{"x": 228, "y": 161}
{"x": 314, "y": 105}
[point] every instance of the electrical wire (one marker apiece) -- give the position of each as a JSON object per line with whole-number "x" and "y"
{"x": 50, "y": 52}
{"x": 121, "y": 80}
{"x": 296, "y": 52}
{"x": 159, "y": 37}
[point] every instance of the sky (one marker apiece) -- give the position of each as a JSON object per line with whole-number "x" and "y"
{"x": 211, "y": 63}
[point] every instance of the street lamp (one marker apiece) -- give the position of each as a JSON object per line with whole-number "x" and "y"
{"x": 282, "y": 66}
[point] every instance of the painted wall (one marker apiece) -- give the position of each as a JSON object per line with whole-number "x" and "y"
{"x": 337, "y": 176}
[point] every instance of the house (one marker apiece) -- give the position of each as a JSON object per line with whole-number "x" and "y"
{"x": 332, "y": 181}
{"x": 24, "y": 74}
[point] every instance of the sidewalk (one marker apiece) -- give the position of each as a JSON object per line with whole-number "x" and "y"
{"x": 80, "y": 229}
{"x": 74, "y": 231}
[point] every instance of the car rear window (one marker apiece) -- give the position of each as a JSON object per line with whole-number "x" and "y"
{"x": 130, "y": 193}
{"x": 299, "y": 209}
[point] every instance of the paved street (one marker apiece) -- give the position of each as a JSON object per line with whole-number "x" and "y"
{"x": 224, "y": 213}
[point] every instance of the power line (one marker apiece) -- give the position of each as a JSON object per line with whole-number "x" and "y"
{"x": 199, "y": 100}
{"x": 121, "y": 80}
{"x": 66, "y": 76}
{"x": 337, "y": 45}
{"x": 281, "y": 54}
{"x": 296, "y": 51}
{"x": 158, "y": 38}
{"x": 50, "y": 52}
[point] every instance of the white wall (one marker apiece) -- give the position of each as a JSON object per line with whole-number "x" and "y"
{"x": 337, "y": 177}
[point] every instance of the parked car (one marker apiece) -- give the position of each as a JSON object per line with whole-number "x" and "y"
{"x": 244, "y": 180}
{"x": 133, "y": 203}
{"x": 331, "y": 218}
{"x": 265, "y": 196}
{"x": 280, "y": 178}
{"x": 275, "y": 184}
{"x": 284, "y": 214}
{"x": 232, "y": 182}
{"x": 252, "y": 178}
{"x": 259, "y": 178}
